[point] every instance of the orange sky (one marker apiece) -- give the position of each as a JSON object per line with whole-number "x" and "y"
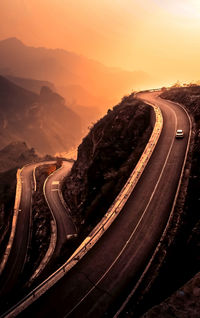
{"x": 160, "y": 37}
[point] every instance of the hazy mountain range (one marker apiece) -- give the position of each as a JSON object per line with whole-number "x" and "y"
{"x": 80, "y": 80}
{"x": 31, "y": 107}
{"x": 42, "y": 120}
{"x": 32, "y": 85}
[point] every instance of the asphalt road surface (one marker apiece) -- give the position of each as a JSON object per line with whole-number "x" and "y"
{"x": 10, "y": 277}
{"x": 94, "y": 287}
{"x": 64, "y": 222}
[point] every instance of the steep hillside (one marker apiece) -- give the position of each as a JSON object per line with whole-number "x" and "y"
{"x": 106, "y": 157}
{"x": 66, "y": 68}
{"x": 43, "y": 121}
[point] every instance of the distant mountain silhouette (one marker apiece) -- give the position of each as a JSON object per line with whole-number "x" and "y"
{"x": 42, "y": 120}
{"x": 87, "y": 114}
{"x": 30, "y": 84}
{"x": 99, "y": 83}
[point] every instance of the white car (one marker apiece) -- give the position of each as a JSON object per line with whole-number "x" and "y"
{"x": 179, "y": 133}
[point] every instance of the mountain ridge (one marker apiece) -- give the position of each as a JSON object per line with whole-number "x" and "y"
{"x": 42, "y": 120}
{"x": 65, "y": 68}
{"x": 30, "y": 84}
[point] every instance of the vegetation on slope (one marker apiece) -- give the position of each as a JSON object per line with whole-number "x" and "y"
{"x": 106, "y": 158}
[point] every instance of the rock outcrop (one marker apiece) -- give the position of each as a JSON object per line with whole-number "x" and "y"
{"x": 106, "y": 157}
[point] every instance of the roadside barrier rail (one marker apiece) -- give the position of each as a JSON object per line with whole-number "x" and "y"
{"x": 101, "y": 227}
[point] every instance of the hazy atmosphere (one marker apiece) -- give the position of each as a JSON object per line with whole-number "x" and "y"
{"x": 157, "y": 37}
{"x": 100, "y": 158}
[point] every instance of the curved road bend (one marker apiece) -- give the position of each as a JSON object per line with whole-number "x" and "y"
{"x": 64, "y": 223}
{"x": 10, "y": 277}
{"x": 118, "y": 259}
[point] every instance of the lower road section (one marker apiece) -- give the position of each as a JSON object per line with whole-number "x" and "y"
{"x": 10, "y": 277}
{"x": 94, "y": 287}
{"x": 10, "y": 280}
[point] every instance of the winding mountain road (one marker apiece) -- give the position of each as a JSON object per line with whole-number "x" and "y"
{"x": 94, "y": 287}
{"x": 53, "y": 195}
{"x": 11, "y": 275}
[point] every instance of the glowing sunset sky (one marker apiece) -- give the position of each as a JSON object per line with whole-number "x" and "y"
{"x": 160, "y": 37}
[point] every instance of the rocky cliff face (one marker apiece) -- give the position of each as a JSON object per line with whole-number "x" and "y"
{"x": 106, "y": 157}
{"x": 43, "y": 121}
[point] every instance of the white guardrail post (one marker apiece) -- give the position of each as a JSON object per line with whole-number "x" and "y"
{"x": 101, "y": 227}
